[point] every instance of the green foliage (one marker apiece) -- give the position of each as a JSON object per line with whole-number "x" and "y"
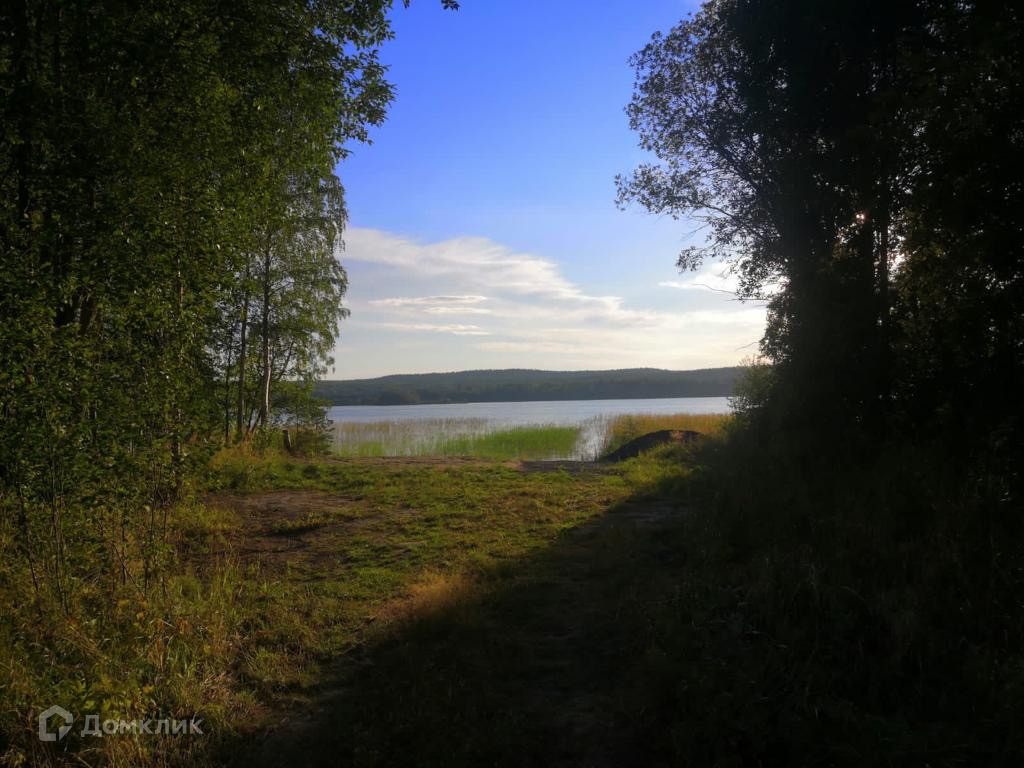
{"x": 278, "y": 319}
{"x": 752, "y": 397}
{"x": 148, "y": 150}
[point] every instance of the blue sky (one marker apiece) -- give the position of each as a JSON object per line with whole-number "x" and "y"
{"x": 483, "y": 231}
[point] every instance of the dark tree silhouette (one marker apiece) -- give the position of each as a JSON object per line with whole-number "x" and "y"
{"x": 852, "y": 160}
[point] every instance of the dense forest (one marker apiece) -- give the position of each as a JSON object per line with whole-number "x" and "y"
{"x": 518, "y": 385}
{"x": 170, "y": 227}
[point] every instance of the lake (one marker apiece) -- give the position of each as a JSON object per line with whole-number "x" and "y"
{"x": 401, "y": 429}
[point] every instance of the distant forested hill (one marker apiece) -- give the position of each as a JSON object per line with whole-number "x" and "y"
{"x": 518, "y": 385}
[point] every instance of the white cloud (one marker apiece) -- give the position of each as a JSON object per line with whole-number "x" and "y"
{"x": 531, "y": 314}
{"x": 436, "y": 305}
{"x": 477, "y": 261}
{"x": 716, "y": 277}
{"x": 457, "y": 329}
{"x": 458, "y": 311}
{"x": 425, "y": 301}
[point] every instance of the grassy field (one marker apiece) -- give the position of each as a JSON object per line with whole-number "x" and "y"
{"x": 354, "y": 555}
{"x": 285, "y": 572}
{"x": 495, "y": 628}
{"x": 718, "y": 609}
{"x": 372, "y": 529}
{"x": 692, "y": 606}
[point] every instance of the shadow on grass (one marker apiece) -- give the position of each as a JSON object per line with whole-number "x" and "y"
{"x": 547, "y": 661}
{"x": 855, "y": 616}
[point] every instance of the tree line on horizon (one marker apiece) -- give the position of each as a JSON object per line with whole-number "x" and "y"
{"x": 517, "y": 385}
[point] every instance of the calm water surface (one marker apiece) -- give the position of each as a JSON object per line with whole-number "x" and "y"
{"x": 591, "y": 415}
{"x": 568, "y": 412}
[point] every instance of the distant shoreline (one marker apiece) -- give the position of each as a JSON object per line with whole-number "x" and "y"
{"x": 510, "y": 402}
{"x": 519, "y": 385}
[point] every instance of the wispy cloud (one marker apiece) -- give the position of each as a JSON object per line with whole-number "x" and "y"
{"x": 458, "y": 310}
{"x": 714, "y": 277}
{"x": 530, "y": 312}
{"x": 436, "y": 305}
{"x": 476, "y": 261}
{"x": 426, "y": 301}
{"x": 457, "y": 329}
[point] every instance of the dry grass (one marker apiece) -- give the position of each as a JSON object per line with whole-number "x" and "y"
{"x": 434, "y": 593}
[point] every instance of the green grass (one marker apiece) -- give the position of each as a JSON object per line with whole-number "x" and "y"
{"x": 710, "y": 607}
{"x": 265, "y": 596}
{"x": 848, "y": 617}
{"x": 518, "y": 443}
{"x": 458, "y": 437}
{"x": 530, "y": 661}
{"x": 391, "y": 542}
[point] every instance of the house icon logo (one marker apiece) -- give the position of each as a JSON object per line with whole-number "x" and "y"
{"x": 45, "y": 734}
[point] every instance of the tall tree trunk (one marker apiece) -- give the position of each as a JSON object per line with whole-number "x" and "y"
{"x": 240, "y": 422}
{"x": 177, "y": 415}
{"x": 265, "y": 341}
{"x": 227, "y": 390}
{"x": 884, "y": 382}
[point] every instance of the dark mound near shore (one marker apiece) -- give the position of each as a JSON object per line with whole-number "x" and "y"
{"x": 653, "y": 440}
